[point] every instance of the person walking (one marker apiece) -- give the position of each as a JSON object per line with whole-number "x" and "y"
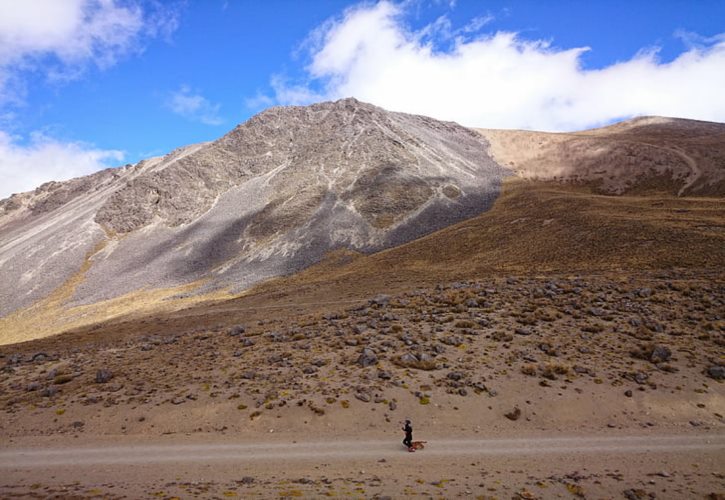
{"x": 408, "y": 441}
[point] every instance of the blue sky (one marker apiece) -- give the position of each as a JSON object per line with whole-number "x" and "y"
{"x": 89, "y": 83}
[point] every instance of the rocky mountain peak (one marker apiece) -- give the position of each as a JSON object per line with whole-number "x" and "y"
{"x": 270, "y": 197}
{"x": 339, "y": 141}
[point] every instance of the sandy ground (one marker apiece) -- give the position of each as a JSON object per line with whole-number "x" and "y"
{"x": 604, "y": 466}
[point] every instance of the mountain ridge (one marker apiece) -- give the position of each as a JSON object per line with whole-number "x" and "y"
{"x": 293, "y": 185}
{"x": 269, "y": 198}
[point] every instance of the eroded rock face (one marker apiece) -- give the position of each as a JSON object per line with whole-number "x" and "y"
{"x": 381, "y": 165}
{"x": 281, "y": 190}
{"x": 271, "y": 197}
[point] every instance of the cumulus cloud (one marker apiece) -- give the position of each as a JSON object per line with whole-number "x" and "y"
{"x": 24, "y": 167}
{"x": 498, "y": 79}
{"x": 194, "y": 106}
{"x": 61, "y": 38}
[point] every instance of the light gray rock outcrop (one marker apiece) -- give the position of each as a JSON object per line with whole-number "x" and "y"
{"x": 269, "y": 198}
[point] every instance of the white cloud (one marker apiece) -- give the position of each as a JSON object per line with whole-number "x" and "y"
{"x": 60, "y": 38}
{"x": 25, "y": 167}
{"x": 194, "y": 106}
{"x": 498, "y": 79}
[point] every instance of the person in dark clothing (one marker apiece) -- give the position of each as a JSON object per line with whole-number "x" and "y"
{"x": 408, "y": 429}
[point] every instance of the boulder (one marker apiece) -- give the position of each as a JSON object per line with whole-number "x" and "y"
{"x": 717, "y": 372}
{"x": 236, "y": 330}
{"x": 103, "y": 376}
{"x": 367, "y": 358}
{"x": 660, "y": 354}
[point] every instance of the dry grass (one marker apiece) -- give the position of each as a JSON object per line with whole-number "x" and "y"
{"x": 52, "y": 316}
{"x": 544, "y": 228}
{"x": 637, "y": 156}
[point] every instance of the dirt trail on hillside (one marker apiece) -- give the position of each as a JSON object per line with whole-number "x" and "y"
{"x": 672, "y": 466}
{"x": 342, "y": 450}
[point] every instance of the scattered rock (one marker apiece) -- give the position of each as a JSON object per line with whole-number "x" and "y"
{"x": 362, "y": 396}
{"x": 452, "y": 340}
{"x": 660, "y": 354}
{"x": 103, "y": 376}
{"x": 654, "y": 353}
{"x": 367, "y": 358}
{"x": 236, "y": 330}
{"x": 15, "y": 359}
{"x": 514, "y": 414}
{"x": 40, "y": 357}
{"x": 49, "y": 392}
{"x": 381, "y": 300}
{"x": 635, "y": 494}
{"x": 408, "y": 358}
{"x": 716, "y": 372}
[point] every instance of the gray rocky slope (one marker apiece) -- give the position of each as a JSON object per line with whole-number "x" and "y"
{"x": 269, "y": 198}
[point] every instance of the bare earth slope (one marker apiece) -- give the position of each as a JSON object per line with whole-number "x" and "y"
{"x": 684, "y": 157}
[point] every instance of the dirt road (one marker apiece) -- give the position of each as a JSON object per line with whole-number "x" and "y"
{"x": 672, "y": 466}
{"x": 347, "y": 450}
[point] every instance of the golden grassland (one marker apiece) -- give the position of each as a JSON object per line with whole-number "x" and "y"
{"x": 52, "y": 315}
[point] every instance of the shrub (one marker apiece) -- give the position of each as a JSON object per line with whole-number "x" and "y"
{"x": 464, "y": 323}
{"x": 62, "y": 379}
{"x": 529, "y": 370}
{"x": 426, "y": 365}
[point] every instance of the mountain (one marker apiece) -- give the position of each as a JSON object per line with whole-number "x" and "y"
{"x": 293, "y": 185}
{"x": 330, "y": 270}
{"x": 684, "y": 157}
{"x": 269, "y": 198}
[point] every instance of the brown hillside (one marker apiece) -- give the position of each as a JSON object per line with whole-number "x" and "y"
{"x": 683, "y": 157}
{"x": 533, "y": 228}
